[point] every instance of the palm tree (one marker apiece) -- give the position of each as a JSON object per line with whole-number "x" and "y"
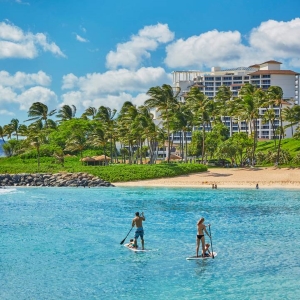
{"x": 106, "y": 116}
{"x": 182, "y": 121}
{"x": 67, "y": 112}
{"x": 164, "y": 100}
{"x": 77, "y": 142}
{"x": 270, "y": 116}
{"x": 2, "y": 134}
{"x": 124, "y": 123}
{"x": 98, "y": 138}
{"x": 291, "y": 115}
{"x": 224, "y": 103}
{"x": 8, "y": 130}
{"x": 89, "y": 112}
{"x": 36, "y": 141}
{"x": 14, "y": 123}
{"x": 199, "y": 104}
{"x": 251, "y": 98}
{"x": 39, "y": 112}
{"x": 275, "y": 95}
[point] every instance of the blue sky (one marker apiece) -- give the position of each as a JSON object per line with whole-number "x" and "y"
{"x": 92, "y": 53}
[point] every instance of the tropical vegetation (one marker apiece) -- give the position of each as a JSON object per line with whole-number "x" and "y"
{"x": 132, "y": 136}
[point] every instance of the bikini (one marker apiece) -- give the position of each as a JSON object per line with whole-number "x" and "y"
{"x": 199, "y": 236}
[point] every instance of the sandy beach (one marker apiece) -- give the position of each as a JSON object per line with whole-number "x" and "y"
{"x": 229, "y": 178}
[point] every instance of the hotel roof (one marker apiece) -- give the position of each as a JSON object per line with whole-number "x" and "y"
{"x": 277, "y": 72}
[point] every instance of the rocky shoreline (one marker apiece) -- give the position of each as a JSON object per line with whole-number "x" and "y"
{"x": 53, "y": 180}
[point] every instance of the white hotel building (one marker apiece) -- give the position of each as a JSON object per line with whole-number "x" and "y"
{"x": 262, "y": 75}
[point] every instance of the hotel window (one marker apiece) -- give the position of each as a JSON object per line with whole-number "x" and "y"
{"x": 217, "y": 78}
{"x": 246, "y": 77}
{"x": 265, "y": 87}
{"x": 207, "y": 88}
{"x": 237, "y": 82}
{"x": 209, "y": 94}
{"x": 266, "y": 82}
{"x": 209, "y": 84}
{"x": 227, "y": 83}
{"x": 255, "y": 76}
{"x": 266, "y": 76}
{"x": 255, "y": 81}
{"x": 237, "y": 78}
{"x": 208, "y": 78}
{"x": 218, "y": 83}
{"x": 227, "y": 78}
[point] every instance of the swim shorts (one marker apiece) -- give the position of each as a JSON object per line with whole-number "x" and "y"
{"x": 139, "y": 232}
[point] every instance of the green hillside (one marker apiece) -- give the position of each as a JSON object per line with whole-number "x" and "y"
{"x": 288, "y": 144}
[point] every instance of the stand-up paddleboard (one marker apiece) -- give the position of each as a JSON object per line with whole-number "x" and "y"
{"x": 135, "y": 249}
{"x": 200, "y": 257}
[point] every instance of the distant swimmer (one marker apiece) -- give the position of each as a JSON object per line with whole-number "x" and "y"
{"x": 138, "y": 222}
{"x": 257, "y": 186}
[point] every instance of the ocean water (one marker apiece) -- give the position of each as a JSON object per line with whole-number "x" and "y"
{"x": 64, "y": 243}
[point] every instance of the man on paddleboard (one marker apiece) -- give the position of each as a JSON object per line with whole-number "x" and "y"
{"x": 138, "y": 222}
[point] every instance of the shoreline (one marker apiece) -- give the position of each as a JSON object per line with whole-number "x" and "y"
{"x": 227, "y": 178}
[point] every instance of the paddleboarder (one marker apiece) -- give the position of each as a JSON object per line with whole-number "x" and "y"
{"x": 138, "y": 223}
{"x": 201, "y": 228}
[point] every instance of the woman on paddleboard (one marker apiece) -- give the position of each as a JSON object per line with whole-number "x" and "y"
{"x": 201, "y": 228}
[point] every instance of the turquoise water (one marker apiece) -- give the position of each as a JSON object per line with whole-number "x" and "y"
{"x": 65, "y": 244}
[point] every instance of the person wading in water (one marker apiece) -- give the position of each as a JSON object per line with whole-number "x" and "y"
{"x": 138, "y": 222}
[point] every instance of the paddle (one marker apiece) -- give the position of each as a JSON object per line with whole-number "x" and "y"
{"x": 212, "y": 251}
{"x": 122, "y": 242}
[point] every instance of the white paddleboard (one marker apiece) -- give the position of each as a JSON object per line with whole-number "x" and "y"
{"x": 200, "y": 257}
{"x": 135, "y": 249}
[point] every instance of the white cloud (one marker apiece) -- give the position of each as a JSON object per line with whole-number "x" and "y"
{"x": 81, "y": 39}
{"x": 270, "y": 40}
{"x": 130, "y": 54}
{"x": 20, "y": 79}
{"x": 6, "y": 112}
{"x": 36, "y": 94}
{"x": 117, "y": 81}
{"x": 14, "y": 43}
{"x": 7, "y": 94}
{"x": 113, "y": 101}
{"x": 207, "y": 49}
{"x": 277, "y": 39}
{"x": 112, "y": 88}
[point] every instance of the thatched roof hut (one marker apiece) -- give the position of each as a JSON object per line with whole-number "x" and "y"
{"x": 88, "y": 160}
{"x": 174, "y": 157}
{"x": 101, "y": 158}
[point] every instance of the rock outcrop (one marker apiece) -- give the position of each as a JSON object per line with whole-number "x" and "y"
{"x": 53, "y": 180}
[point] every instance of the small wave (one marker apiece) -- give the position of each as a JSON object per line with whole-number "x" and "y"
{"x": 7, "y": 190}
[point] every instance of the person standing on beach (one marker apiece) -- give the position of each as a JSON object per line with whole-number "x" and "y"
{"x": 201, "y": 228}
{"x": 138, "y": 222}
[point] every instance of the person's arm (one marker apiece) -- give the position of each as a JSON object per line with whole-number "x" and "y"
{"x": 206, "y": 231}
{"x": 143, "y": 217}
{"x": 133, "y": 222}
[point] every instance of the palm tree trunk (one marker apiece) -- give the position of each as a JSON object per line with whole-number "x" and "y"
{"x": 185, "y": 140}
{"x": 280, "y": 134}
{"x": 203, "y": 141}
